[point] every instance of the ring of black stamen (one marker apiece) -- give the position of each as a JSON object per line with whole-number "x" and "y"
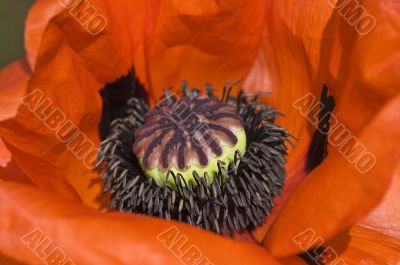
{"x": 242, "y": 193}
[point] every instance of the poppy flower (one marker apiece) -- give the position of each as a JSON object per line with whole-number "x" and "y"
{"x": 333, "y": 207}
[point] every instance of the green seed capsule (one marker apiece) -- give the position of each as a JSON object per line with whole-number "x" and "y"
{"x": 186, "y": 135}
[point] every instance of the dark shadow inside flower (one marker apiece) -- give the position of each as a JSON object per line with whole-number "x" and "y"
{"x": 313, "y": 256}
{"x": 237, "y": 196}
{"x": 318, "y": 149}
{"x": 115, "y": 97}
{"x": 328, "y": 252}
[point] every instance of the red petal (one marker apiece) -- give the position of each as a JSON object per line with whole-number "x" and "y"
{"x": 385, "y": 218}
{"x": 60, "y": 80}
{"x": 336, "y": 194}
{"x": 364, "y": 246}
{"x": 200, "y": 41}
{"x": 38, "y": 19}
{"x": 13, "y": 83}
{"x": 308, "y": 44}
{"x": 287, "y": 65}
{"x": 91, "y": 237}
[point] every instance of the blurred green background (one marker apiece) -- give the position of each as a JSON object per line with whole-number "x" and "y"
{"x": 12, "y": 19}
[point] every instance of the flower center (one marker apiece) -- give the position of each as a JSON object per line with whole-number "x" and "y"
{"x": 186, "y": 135}
{"x": 190, "y": 137}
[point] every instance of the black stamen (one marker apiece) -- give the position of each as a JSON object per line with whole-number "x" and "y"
{"x": 242, "y": 192}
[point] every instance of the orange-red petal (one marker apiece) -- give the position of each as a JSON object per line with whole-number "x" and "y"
{"x": 337, "y": 194}
{"x": 13, "y": 83}
{"x": 287, "y": 65}
{"x": 200, "y": 41}
{"x": 53, "y": 24}
{"x": 309, "y": 44}
{"x": 87, "y": 236}
{"x": 7, "y": 261}
{"x": 385, "y": 218}
{"x": 364, "y": 246}
{"x": 67, "y": 87}
{"x": 39, "y": 17}
{"x": 167, "y": 41}
{"x": 295, "y": 42}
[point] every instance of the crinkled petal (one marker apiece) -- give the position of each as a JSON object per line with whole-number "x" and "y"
{"x": 60, "y": 92}
{"x": 167, "y": 41}
{"x": 86, "y": 236}
{"x": 201, "y": 42}
{"x": 287, "y": 66}
{"x": 385, "y": 218}
{"x": 338, "y": 193}
{"x": 13, "y": 83}
{"x": 294, "y": 43}
{"x": 85, "y": 28}
{"x": 39, "y": 17}
{"x": 364, "y": 246}
{"x": 7, "y": 261}
{"x": 309, "y": 44}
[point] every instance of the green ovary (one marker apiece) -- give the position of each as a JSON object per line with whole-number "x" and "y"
{"x": 159, "y": 175}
